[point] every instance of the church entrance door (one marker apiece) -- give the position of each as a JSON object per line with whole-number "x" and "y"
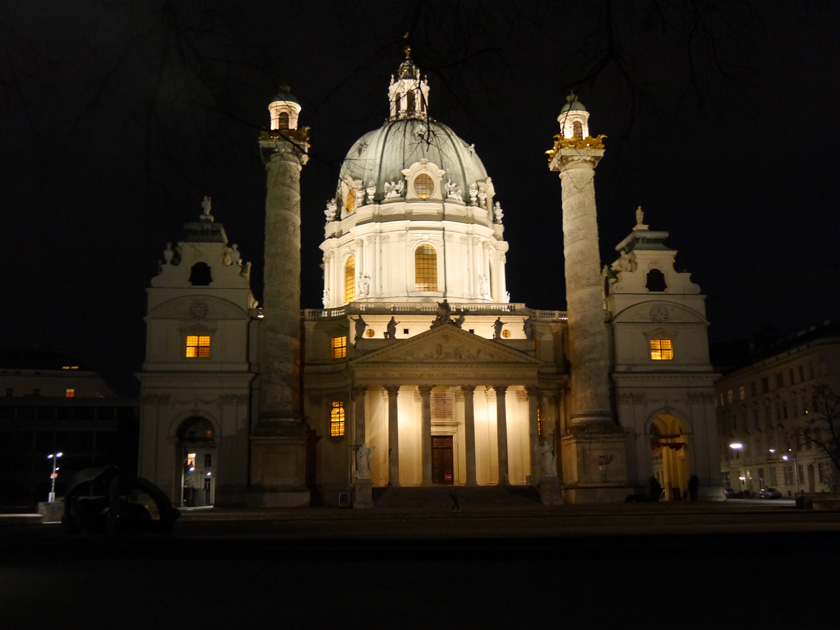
{"x": 443, "y": 469}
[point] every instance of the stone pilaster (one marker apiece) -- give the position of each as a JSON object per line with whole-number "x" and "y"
{"x": 501, "y": 432}
{"x": 426, "y": 432}
{"x": 469, "y": 431}
{"x": 393, "y": 436}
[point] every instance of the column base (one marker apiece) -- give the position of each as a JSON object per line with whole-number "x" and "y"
{"x": 595, "y": 465}
{"x": 550, "y": 491}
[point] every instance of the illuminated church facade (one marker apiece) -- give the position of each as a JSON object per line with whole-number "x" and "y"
{"x": 417, "y": 370}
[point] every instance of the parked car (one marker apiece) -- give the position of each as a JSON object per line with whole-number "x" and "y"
{"x": 107, "y": 500}
{"x": 769, "y": 493}
{"x": 731, "y": 493}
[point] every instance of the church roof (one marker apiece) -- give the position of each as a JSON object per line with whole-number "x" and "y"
{"x": 381, "y": 155}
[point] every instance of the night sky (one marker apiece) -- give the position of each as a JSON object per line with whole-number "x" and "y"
{"x": 118, "y": 117}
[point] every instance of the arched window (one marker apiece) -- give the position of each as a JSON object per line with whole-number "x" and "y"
{"x": 410, "y": 103}
{"x": 350, "y": 280}
{"x": 655, "y": 281}
{"x": 200, "y": 275}
{"x": 283, "y": 120}
{"x": 577, "y": 130}
{"x": 425, "y": 268}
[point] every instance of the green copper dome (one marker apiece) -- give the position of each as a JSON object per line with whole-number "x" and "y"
{"x": 380, "y": 156}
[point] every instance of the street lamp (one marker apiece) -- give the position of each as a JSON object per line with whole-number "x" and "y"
{"x": 54, "y": 457}
{"x": 795, "y": 467}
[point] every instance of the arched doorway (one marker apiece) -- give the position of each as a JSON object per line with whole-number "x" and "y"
{"x": 669, "y": 456}
{"x": 197, "y": 446}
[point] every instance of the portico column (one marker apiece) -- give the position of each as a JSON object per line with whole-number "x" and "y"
{"x": 533, "y": 432}
{"x": 501, "y": 431}
{"x": 358, "y": 396}
{"x": 469, "y": 431}
{"x": 393, "y": 437}
{"x": 426, "y": 432}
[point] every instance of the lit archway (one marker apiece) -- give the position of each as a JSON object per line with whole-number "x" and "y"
{"x": 197, "y": 449}
{"x": 669, "y": 457}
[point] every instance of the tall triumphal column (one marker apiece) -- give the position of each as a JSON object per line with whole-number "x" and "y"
{"x": 279, "y": 439}
{"x": 593, "y": 436}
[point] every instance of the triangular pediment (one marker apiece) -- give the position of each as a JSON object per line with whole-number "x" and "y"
{"x": 447, "y": 344}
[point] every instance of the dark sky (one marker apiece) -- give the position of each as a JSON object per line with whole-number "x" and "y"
{"x": 118, "y": 117}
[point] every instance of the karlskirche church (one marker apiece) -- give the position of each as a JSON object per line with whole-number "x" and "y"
{"x": 417, "y": 370}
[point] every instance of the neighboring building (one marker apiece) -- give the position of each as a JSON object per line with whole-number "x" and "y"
{"x": 418, "y": 370}
{"x": 51, "y": 404}
{"x": 765, "y": 408}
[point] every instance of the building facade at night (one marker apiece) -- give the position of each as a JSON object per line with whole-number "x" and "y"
{"x": 417, "y": 370}
{"x": 771, "y": 415}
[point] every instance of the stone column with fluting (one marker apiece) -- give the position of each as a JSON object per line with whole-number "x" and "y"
{"x": 588, "y": 340}
{"x": 501, "y": 433}
{"x": 469, "y": 431}
{"x": 284, "y": 154}
{"x": 426, "y": 432}
{"x": 393, "y": 436}
{"x": 533, "y": 432}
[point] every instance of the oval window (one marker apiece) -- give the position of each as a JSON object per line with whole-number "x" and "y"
{"x": 424, "y": 186}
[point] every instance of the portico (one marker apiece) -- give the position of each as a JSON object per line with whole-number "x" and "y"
{"x": 447, "y": 383}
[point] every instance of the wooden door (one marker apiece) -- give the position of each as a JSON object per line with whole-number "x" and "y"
{"x": 443, "y": 469}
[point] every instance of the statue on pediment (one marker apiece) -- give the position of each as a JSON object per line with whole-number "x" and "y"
{"x": 391, "y": 328}
{"x": 443, "y": 314}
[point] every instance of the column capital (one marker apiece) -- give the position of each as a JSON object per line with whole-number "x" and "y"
{"x": 392, "y": 390}
{"x": 425, "y": 390}
{"x": 358, "y": 391}
{"x": 468, "y": 389}
{"x": 500, "y": 389}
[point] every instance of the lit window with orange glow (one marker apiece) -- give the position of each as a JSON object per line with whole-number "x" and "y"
{"x": 350, "y": 201}
{"x": 337, "y": 419}
{"x": 339, "y": 347}
{"x": 350, "y": 280}
{"x": 424, "y": 186}
{"x": 69, "y": 393}
{"x": 198, "y": 346}
{"x": 661, "y": 350}
{"x": 425, "y": 268}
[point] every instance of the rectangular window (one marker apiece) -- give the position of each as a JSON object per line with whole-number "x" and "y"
{"x": 790, "y": 374}
{"x": 661, "y": 350}
{"x": 753, "y": 390}
{"x": 339, "y": 347}
{"x": 773, "y": 480}
{"x": 10, "y": 391}
{"x": 780, "y": 380}
{"x": 198, "y": 346}
{"x": 788, "y": 470}
{"x": 208, "y": 460}
{"x": 337, "y": 419}
{"x": 742, "y": 392}
{"x": 191, "y": 461}
{"x": 820, "y": 472}
{"x": 765, "y": 385}
{"x": 801, "y": 373}
{"x": 729, "y": 396}
{"x": 69, "y": 393}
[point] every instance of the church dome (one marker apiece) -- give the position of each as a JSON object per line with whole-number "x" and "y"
{"x": 380, "y": 156}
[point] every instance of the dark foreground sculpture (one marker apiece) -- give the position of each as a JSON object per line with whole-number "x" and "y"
{"x": 107, "y": 500}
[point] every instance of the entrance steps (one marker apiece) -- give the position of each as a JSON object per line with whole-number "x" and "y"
{"x": 442, "y": 497}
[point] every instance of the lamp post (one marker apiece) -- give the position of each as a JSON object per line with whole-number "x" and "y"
{"x": 795, "y": 467}
{"x": 738, "y": 446}
{"x": 54, "y": 457}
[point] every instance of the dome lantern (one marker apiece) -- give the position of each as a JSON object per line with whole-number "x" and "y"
{"x": 284, "y": 109}
{"x": 574, "y": 119}
{"x": 409, "y": 94}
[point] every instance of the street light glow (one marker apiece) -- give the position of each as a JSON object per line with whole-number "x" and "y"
{"x": 736, "y": 445}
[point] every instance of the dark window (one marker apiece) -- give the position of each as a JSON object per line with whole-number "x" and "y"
{"x": 410, "y": 102}
{"x": 577, "y": 130}
{"x": 283, "y": 121}
{"x": 200, "y": 275}
{"x": 655, "y": 281}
